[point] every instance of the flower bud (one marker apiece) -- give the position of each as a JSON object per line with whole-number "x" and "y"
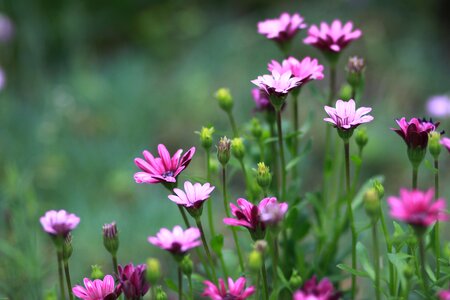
{"x": 238, "y": 148}
{"x": 223, "y": 150}
{"x": 263, "y": 176}
{"x": 225, "y": 100}
{"x": 345, "y": 92}
{"x": 187, "y": 265}
{"x": 255, "y": 260}
{"x": 416, "y": 155}
{"x": 434, "y": 144}
{"x": 153, "y": 271}
{"x": 260, "y": 246}
{"x": 160, "y": 294}
{"x": 408, "y": 272}
{"x": 111, "y": 238}
{"x": 97, "y": 272}
{"x": 67, "y": 247}
{"x": 379, "y": 187}
{"x": 355, "y": 71}
{"x": 361, "y": 137}
{"x": 372, "y": 203}
{"x": 295, "y": 281}
{"x": 206, "y": 138}
{"x": 256, "y": 128}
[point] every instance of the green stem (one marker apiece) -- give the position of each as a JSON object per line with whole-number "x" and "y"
{"x": 261, "y": 150}
{"x": 69, "y": 284}
{"x": 282, "y": 160}
{"x": 437, "y": 242}
{"x": 191, "y": 293}
{"x": 224, "y": 266}
{"x": 327, "y": 160}
{"x": 275, "y": 260}
{"x": 183, "y": 214}
{"x": 60, "y": 274}
{"x": 423, "y": 265}
{"x": 274, "y": 157}
{"x": 264, "y": 276}
{"x": 392, "y": 279}
{"x": 244, "y": 171}
{"x": 233, "y": 125}
{"x": 414, "y": 176}
{"x": 180, "y": 284}
{"x": 205, "y": 245}
{"x": 296, "y": 128}
{"x": 209, "y": 203}
{"x": 376, "y": 260}
{"x": 114, "y": 261}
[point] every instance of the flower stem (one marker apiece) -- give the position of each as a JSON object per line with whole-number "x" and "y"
{"x": 274, "y": 158}
{"x": 69, "y": 284}
{"x": 233, "y": 125}
{"x": 296, "y": 128}
{"x": 183, "y": 214}
{"x": 180, "y": 284}
{"x": 376, "y": 260}
{"x": 60, "y": 274}
{"x": 437, "y": 242}
{"x": 191, "y": 293}
{"x": 205, "y": 245}
{"x": 414, "y": 176}
{"x": 275, "y": 260}
{"x": 244, "y": 171}
{"x": 423, "y": 265}
{"x": 209, "y": 203}
{"x": 264, "y": 275}
{"x": 282, "y": 160}
{"x": 392, "y": 279}
{"x": 114, "y": 261}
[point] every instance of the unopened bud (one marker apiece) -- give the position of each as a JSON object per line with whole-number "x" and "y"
{"x": 379, "y": 187}
{"x": 206, "y": 138}
{"x": 187, "y": 265}
{"x": 434, "y": 144}
{"x": 255, "y": 260}
{"x": 223, "y": 150}
{"x": 111, "y": 238}
{"x": 67, "y": 247}
{"x": 408, "y": 272}
{"x": 153, "y": 271}
{"x": 372, "y": 203}
{"x": 260, "y": 246}
{"x": 447, "y": 251}
{"x": 97, "y": 272}
{"x": 238, "y": 148}
{"x": 345, "y": 92}
{"x": 256, "y": 128}
{"x": 355, "y": 71}
{"x": 160, "y": 294}
{"x": 295, "y": 281}
{"x": 263, "y": 176}
{"x": 361, "y": 137}
{"x": 223, "y": 95}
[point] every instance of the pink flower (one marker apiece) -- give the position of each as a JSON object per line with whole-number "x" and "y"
{"x": 445, "y": 141}
{"x": 306, "y": 70}
{"x": 277, "y": 84}
{"x": 193, "y": 195}
{"x": 332, "y": 38}
{"x": 132, "y": 281}
{"x": 236, "y": 290}
{"x": 282, "y": 29}
{"x": 59, "y": 223}
{"x": 262, "y": 100}
{"x": 273, "y": 213}
{"x": 177, "y": 241}
{"x": 324, "y": 290}
{"x": 439, "y": 106}
{"x": 97, "y": 289}
{"x": 164, "y": 168}
{"x": 444, "y": 295}
{"x": 415, "y": 132}
{"x": 345, "y": 117}
{"x": 416, "y": 207}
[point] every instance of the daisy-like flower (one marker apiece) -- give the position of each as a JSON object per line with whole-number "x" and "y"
{"x": 273, "y": 213}
{"x": 445, "y": 141}
{"x": 312, "y": 290}
{"x": 306, "y": 70}
{"x": 283, "y": 28}
{"x": 236, "y": 290}
{"x": 444, "y": 295}
{"x": 439, "y": 106}
{"x": 332, "y": 38}
{"x": 59, "y": 223}
{"x": 132, "y": 281}
{"x": 192, "y": 197}
{"x": 97, "y": 289}
{"x": 177, "y": 242}
{"x": 417, "y": 208}
{"x": 163, "y": 169}
{"x": 345, "y": 117}
{"x": 415, "y": 132}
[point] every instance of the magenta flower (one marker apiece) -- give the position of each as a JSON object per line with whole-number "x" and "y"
{"x": 163, "y": 169}
{"x": 262, "y": 100}
{"x": 416, "y": 207}
{"x": 332, "y": 38}
{"x": 273, "y": 213}
{"x": 97, "y": 289}
{"x": 346, "y": 117}
{"x": 439, "y": 106}
{"x": 324, "y": 290}
{"x": 177, "y": 242}
{"x": 445, "y": 141}
{"x": 277, "y": 84}
{"x": 282, "y": 29}
{"x": 306, "y": 70}
{"x": 415, "y": 132}
{"x": 132, "y": 281}
{"x": 192, "y": 197}
{"x": 444, "y": 295}
{"x": 59, "y": 223}
{"x": 236, "y": 290}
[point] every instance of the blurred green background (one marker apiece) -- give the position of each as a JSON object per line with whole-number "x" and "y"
{"x": 90, "y": 84}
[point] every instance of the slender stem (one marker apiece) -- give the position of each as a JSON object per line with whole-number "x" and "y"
{"x": 353, "y": 93}
{"x": 233, "y": 125}
{"x": 423, "y": 265}
{"x": 183, "y": 214}
{"x": 264, "y": 276}
{"x": 274, "y": 157}
{"x": 296, "y": 128}
{"x": 244, "y": 171}
{"x": 223, "y": 265}
{"x": 205, "y": 245}
{"x": 392, "y": 279}
{"x": 60, "y": 274}
{"x": 261, "y": 150}
{"x": 191, "y": 294}
{"x": 69, "y": 284}
{"x": 406, "y": 290}
{"x": 209, "y": 203}
{"x": 376, "y": 260}
{"x": 347, "y": 167}
{"x": 114, "y": 261}
{"x": 414, "y": 177}
{"x": 258, "y": 282}
{"x": 180, "y": 284}
{"x": 282, "y": 160}
{"x": 275, "y": 260}
{"x": 437, "y": 242}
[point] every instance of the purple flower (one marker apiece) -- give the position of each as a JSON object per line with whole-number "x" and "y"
{"x": 132, "y": 281}
{"x": 346, "y": 117}
{"x": 415, "y": 132}
{"x": 59, "y": 223}
{"x": 193, "y": 195}
{"x": 312, "y": 290}
{"x": 306, "y": 70}
{"x": 177, "y": 242}
{"x": 6, "y": 28}
{"x": 444, "y": 295}
{"x": 277, "y": 84}
{"x": 273, "y": 213}
{"x": 262, "y": 100}
{"x": 283, "y": 28}
{"x": 236, "y": 290}
{"x": 439, "y": 106}
{"x": 332, "y": 38}
{"x": 97, "y": 289}
{"x": 164, "y": 168}
{"x": 2, "y": 79}
{"x": 445, "y": 141}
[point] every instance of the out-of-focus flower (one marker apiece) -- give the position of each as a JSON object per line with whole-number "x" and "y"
{"x": 439, "y": 106}
{"x": 273, "y": 213}
{"x": 332, "y": 38}
{"x": 2, "y": 79}
{"x": 164, "y": 168}
{"x": 312, "y": 290}
{"x": 177, "y": 242}
{"x": 415, "y": 132}
{"x": 262, "y": 100}
{"x": 417, "y": 208}
{"x": 111, "y": 237}
{"x": 445, "y": 141}
{"x": 277, "y": 84}
{"x": 192, "y": 197}
{"x": 346, "y": 117}
{"x": 305, "y": 70}
{"x": 283, "y": 28}
{"x": 97, "y": 289}
{"x": 236, "y": 290}
{"x": 6, "y": 28}
{"x": 444, "y": 295}
{"x": 132, "y": 281}
{"x": 355, "y": 71}
{"x": 59, "y": 223}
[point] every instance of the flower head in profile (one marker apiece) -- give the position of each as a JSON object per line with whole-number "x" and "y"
{"x": 415, "y": 132}
{"x": 277, "y": 84}
{"x": 163, "y": 169}
{"x": 439, "y": 106}
{"x": 97, "y": 289}
{"x": 283, "y": 28}
{"x": 59, "y": 223}
{"x": 444, "y": 295}
{"x": 417, "y": 208}
{"x": 236, "y": 290}
{"x": 177, "y": 242}
{"x": 305, "y": 70}
{"x": 132, "y": 281}
{"x": 262, "y": 100}
{"x": 332, "y": 38}
{"x": 273, "y": 212}
{"x": 312, "y": 290}
{"x": 346, "y": 117}
{"x": 193, "y": 196}
{"x": 445, "y": 141}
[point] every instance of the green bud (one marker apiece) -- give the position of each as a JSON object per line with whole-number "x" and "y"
{"x": 153, "y": 271}
{"x": 416, "y": 155}
{"x": 379, "y": 187}
{"x": 223, "y": 95}
{"x": 255, "y": 260}
{"x": 372, "y": 204}
{"x": 447, "y": 251}
{"x": 50, "y": 295}
{"x": 206, "y": 137}
{"x": 238, "y": 148}
{"x": 160, "y": 294}
{"x": 345, "y": 134}
{"x": 97, "y": 272}
{"x": 355, "y": 71}
{"x": 256, "y": 128}
{"x": 295, "y": 281}
{"x": 361, "y": 137}
{"x": 434, "y": 144}
{"x": 263, "y": 176}
{"x": 67, "y": 247}
{"x": 408, "y": 271}
{"x": 187, "y": 265}
{"x": 223, "y": 150}
{"x": 346, "y": 92}
{"x": 111, "y": 238}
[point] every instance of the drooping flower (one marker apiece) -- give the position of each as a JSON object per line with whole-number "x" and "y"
{"x": 177, "y": 242}
{"x": 59, "y": 223}
{"x": 97, "y": 289}
{"x": 192, "y": 197}
{"x": 415, "y": 132}
{"x": 417, "y": 208}
{"x": 312, "y": 290}
{"x": 236, "y": 290}
{"x": 332, "y": 38}
{"x": 439, "y": 106}
{"x": 132, "y": 281}
{"x": 277, "y": 84}
{"x": 163, "y": 169}
{"x": 444, "y": 295}
{"x": 445, "y": 141}
{"x": 273, "y": 213}
{"x": 283, "y": 28}
{"x": 346, "y": 117}
{"x": 305, "y": 70}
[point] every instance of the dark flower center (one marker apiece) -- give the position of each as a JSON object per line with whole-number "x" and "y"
{"x": 229, "y": 297}
{"x": 167, "y": 174}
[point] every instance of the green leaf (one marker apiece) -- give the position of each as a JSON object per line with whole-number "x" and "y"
{"x": 363, "y": 259}
{"x": 429, "y": 165}
{"x": 350, "y": 270}
{"x": 356, "y": 159}
{"x": 357, "y": 201}
{"x": 171, "y": 284}
{"x": 217, "y": 244}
